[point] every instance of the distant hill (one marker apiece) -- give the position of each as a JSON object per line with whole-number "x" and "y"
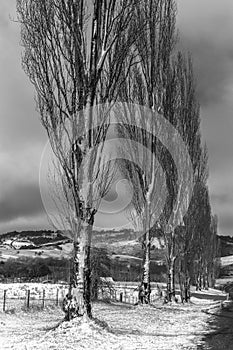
{"x": 226, "y": 245}
{"x": 55, "y": 244}
{"x": 37, "y": 238}
{"x": 123, "y": 247}
{"x": 226, "y": 253}
{"x": 123, "y": 242}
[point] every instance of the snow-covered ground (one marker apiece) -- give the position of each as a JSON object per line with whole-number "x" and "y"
{"x": 226, "y": 260}
{"x": 120, "y": 327}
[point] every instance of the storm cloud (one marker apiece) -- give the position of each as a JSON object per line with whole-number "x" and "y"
{"x": 24, "y": 200}
{"x": 205, "y": 30}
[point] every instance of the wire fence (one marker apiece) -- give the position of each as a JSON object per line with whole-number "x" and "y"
{"x": 28, "y": 300}
{"x": 24, "y": 297}
{"x": 126, "y": 295}
{"x": 131, "y": 299}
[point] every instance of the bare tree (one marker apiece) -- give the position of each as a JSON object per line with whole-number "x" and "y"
{"x": 197, "y": 241}
{"x": 142, "y": 169}
{"x": 145, "y": 86}
{"x": 205, "y": 261}
{"x": 181, "y": 109}
{"x": 74, "y": 54}
{"x": 213, "y": 263}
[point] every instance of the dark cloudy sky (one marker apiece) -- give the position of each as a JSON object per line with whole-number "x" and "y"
{"x": 206, "y": 28}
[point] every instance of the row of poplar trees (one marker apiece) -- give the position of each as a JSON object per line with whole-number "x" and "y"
{"x": 83, "y": 58}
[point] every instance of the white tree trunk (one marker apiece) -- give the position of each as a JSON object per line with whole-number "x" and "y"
{"x": 82, "y": 290}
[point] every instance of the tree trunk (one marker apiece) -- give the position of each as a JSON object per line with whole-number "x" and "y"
{"x": 145, "y": 288}
{"x": 184, "y": 281}
{"x": 171, "y": 269}
{"x": 82, "y": 275}
{"x": 182, "y": 289}
{"x": 181, "y": 280}
{"x": 87, "y": 213}
{"x": 187, "y": 289}
{"x": 199, "y": 277}
{"x": 171, "y": 280}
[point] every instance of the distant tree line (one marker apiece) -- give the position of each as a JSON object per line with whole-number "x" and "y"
{"x": 25, "y": 269}
{"x": 53, "y": 270}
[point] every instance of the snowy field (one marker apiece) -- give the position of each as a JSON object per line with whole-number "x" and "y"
{"x": 226, "y": 260}
{"x": 199, "y": 325}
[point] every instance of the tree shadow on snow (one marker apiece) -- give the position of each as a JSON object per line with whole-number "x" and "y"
{"x": 220, "y": 335}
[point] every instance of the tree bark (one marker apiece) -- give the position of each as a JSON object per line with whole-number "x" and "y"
{"x": 182, "y": 290}
{"x": 187, "y": 289}
{"x": 82, "y": 271}
{"x": 145, "y": 288}
{"x": 171, "y": 280}
{"x": 171, "y": 269}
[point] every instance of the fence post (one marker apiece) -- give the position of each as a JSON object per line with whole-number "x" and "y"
{"x": 28, "y": 298}
{"x": 57, "y": 297}
{"x": 4, "y": 301}
{"x": 43, "y": 298}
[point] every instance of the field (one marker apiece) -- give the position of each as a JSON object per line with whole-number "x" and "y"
{"x": 199, "y": 325}
{"x": 226, "y": 260}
